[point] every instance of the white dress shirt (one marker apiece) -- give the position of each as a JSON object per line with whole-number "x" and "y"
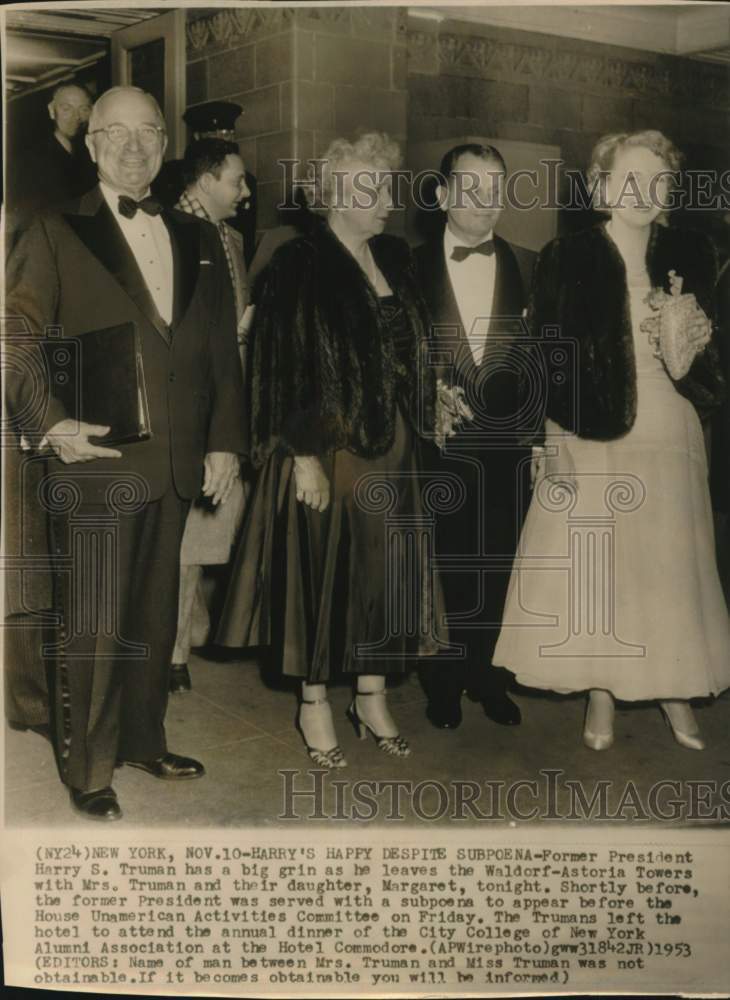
{"x": 472, "y": 281}
{"x": 149, "y": 241}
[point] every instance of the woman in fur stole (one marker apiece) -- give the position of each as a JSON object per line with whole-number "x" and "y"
{"x": 615, "y": 589}
{"x": 338, "y": 395}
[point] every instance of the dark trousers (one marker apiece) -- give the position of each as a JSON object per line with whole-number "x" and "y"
{"x": 28, "y": 594}
{"x": 475, "y": 544}
{"x": 24, "y": 670}
{"x": 118, "y": 578}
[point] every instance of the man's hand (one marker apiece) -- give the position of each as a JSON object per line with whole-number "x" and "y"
{"x": 221, "y": 470}
{"x": 313, "y": 487}
{"x": 69, "y": 439}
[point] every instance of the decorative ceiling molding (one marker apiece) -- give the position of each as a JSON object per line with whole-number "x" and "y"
{"x": 234, "y": 26}
{"x": 223, "y": 29}
{"x": 671, "y": 29}
{"x": 466, "y": 54}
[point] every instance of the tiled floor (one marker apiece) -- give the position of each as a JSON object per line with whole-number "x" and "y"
{"x": 242, "y": 729}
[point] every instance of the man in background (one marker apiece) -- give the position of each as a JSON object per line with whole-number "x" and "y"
{"x": 212, "y": 120}
{"x": 215, "y": 185}
{"x": 58, "y": 167}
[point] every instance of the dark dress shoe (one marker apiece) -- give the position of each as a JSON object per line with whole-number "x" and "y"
{"x": 444, "y": 713}
{"x": 179, "y": 678}
{"x": 169, "y": 767}
{"x": 99, "y": 804}
{"x": 501, "y": 709}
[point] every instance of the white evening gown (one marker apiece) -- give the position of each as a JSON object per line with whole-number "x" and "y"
{"x": 616, "y": 585}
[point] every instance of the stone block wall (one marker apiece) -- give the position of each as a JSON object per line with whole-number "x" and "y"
{"x": 303, "y": 76}
{"x": 306, "y": 75}
{"x": 466, "y": 79}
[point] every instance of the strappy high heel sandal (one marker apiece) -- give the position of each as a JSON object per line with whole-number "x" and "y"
{"x": 686, "y": 738}
{"x": 395, "y": 746}
{"x": 332, "y": 759}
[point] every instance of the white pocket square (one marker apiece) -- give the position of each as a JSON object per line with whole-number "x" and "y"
{"x": 207, "y": 262}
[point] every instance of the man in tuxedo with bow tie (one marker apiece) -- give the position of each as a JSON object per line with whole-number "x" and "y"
{"x": 114, "y": 257}
{"x": 474, "y": 283}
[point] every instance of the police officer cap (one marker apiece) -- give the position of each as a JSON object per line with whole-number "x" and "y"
{"x": 212, "y": 116}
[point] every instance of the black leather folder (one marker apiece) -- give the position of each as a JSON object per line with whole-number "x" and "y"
{"x": 99, "y": 378}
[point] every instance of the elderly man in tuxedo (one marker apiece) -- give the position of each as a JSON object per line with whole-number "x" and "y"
{"x": 215, "y": 185}
{"x": 113, "y": 258}
{"x": 474, "y": 283}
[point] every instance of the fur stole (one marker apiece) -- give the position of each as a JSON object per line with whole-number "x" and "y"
{"x": 580, "y": 296}
{"x": 323, "y": 370}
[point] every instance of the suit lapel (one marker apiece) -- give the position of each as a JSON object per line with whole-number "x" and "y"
{"x": 507, "y": 305}
{"x": 185, "y": 239}
{"x": 444, "y": 305}
{"x": 96, "y": 227}
{"x": 465, "y": 364}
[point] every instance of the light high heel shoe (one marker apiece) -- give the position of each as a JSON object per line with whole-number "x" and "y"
{"x": 602, "y": 738}
{"x": 688, "y": 737}
{"x": 395, "y": 746}
{"x": 332, "y": 759}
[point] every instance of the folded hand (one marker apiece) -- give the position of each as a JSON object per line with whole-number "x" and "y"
{"x": 221, "y": 470}
{"x": 312, "y": 485}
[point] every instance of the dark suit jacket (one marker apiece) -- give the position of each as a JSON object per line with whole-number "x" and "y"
{"x": 74, "y": 269}
{"x": 43, "y": 178}
{"x": 492, "y": 389}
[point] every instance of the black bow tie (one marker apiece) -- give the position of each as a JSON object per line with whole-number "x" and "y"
{"x": 128, "y": 206}
{"x": 486, "y": 249}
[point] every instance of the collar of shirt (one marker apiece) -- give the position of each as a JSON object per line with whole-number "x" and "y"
{"x": 193, "y": 206}
{"x": 472, "y": 282}
{"x": 149, "y": 241}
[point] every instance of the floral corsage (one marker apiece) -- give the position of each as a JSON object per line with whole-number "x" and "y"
{"x": 451, "y": 411}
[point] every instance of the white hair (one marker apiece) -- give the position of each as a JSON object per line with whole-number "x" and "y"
{"x": 112, "y": 92}
{"x": 374, "y": 149}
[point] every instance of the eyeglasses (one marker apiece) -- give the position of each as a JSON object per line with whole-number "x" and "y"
{"x": 118, "y": 135}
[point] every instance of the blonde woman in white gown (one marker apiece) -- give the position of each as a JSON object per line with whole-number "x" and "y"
{"x": 615, "y": 589}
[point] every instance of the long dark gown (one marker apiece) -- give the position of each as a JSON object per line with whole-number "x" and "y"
{"x": 349, "y": 589}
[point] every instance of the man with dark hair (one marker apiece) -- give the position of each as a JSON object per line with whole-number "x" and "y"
{"x": 474, "y": 283}
{"x": 212, "y": 120}
{"x": 489, "y": 154}
{"x": 215, "y": 185}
